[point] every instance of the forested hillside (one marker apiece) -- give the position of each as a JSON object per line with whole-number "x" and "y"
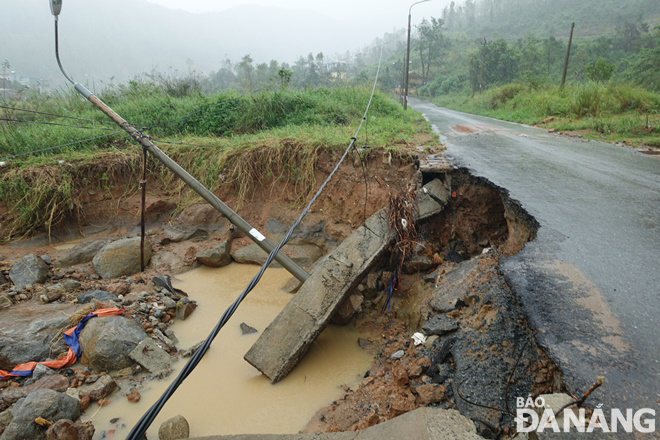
{"x": 542, "y": 18}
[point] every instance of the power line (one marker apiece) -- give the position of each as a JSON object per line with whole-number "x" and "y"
{"x": 139, "y": 430}
{"x": 53, "y": 123}
{"x": 27, "y": 153}
{"x": 55, "y": 115}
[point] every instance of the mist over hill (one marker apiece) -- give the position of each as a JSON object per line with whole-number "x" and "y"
{"x": 116, "y": 40}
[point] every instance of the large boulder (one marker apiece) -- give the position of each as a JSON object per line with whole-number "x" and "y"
{"x": 121, "y": 258}
{"x": 81, "y": 253}
{"x": 47, "y": 404}
{"x": 30, "y": 270}
{"x": 106, "y": 342}
{"x": 27, "y": 332}
{"x": 216, "y": 256}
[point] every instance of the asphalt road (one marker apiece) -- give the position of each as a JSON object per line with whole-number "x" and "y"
{"x": 590, "y": 282}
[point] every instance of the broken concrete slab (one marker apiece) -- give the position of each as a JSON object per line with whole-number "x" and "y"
{"x": 431, "y": 199}
{"x": 286, "y": 340}
{"x": 420, "y": 424}
{"x": 152, "y": 357}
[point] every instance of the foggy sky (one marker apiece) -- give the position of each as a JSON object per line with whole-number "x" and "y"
{"x": 115, "y": 40}
{"x": 379, "y": 15}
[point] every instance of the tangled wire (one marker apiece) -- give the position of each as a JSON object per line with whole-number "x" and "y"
{"x": 401, "y": 216}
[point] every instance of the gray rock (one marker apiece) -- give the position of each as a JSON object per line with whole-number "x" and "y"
{"x": 167, "y": 261}
{"x": 440, "y": 325}
{"x": 72, "y": 285}
{"x": 303, "y": 254}
{"x": 216, "y": 256}
{"x": 81, "y": 253}
{"x": 168, "y": 302}
{"x": 5, "y": 301}
{"x": 27, "y": 332}
{"x": 172, "y": 235}
{"x": 175, "y": 428}
{"x": 30, "y": 270}
{"x": 62, "y": 430}
{"x": 5, "y": 419}
{"x": 152, "y": 357}
{"x": 48, "y": 404}
{"x": 450, "y": 293}
{"x": 99, "y": 389}
{"x": 53, "y": 382}
{"x": 398, "y": 355}
{"x": 246, "y": 329}
{"x": 47, "y": 259}
{"x": 105, "y": 353}
{"x": 417, "y": 263}
{"x": 100, "y": 295}
{"x": 41, "y": 370}
{"x": 121, "y": 258}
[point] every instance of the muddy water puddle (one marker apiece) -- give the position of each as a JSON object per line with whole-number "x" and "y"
{"x": 226, "y": 395}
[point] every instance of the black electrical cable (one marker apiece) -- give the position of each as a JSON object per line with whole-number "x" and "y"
{"x": 139, "y": 430}
{"x": 56, "y": 115}
{"x": 53, "y": 123}
{"x": 27, "y": 153}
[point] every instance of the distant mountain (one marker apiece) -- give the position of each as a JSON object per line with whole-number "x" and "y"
{"x": 121, "y": 38}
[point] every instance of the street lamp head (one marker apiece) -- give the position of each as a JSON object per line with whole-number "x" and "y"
{"x": 56, "y": 7}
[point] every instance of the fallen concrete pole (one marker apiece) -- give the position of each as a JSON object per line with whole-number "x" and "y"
{"x": 286, "y": 340}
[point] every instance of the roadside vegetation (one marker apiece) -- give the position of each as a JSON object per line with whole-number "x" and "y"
{"x": 505, "y": 59}
{"x": 226, "y": 138}
{"x": 611, "y": 112}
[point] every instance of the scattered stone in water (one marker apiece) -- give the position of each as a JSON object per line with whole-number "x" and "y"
{"x": 175, "y": 428}
{"x": 190, "y": 351}
{"x": 398, "y": 355}
{"x": 246, "y": 329}
{"x": 134, "y": 397}
{"x": 99, "y": 389}
{"x": 152, "y": 357}
{"x": 184, "y": 309}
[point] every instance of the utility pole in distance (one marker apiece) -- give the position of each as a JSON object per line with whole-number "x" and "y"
{"x": 568, "y": 54}
{"x": 407, "y": 66}
{"x": 483, "y": 66}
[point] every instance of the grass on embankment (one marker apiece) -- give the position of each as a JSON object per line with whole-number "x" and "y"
{"x": 226, "y": 139}
{"x": 612, "y": 112}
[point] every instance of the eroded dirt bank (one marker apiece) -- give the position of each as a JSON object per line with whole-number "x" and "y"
{"x": 478, "y": 348}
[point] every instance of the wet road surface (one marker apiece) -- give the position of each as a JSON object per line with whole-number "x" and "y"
{"x": 590, "y": 282}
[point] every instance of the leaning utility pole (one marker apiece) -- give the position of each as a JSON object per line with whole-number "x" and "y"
{"x": 194, "y": 184}
{"x": 568, "y": 54}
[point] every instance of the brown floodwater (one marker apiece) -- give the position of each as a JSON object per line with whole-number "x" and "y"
{"x": 226, "y": 395}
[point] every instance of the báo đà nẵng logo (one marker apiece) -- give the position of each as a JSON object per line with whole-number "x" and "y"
{"x": 533, "y": 415}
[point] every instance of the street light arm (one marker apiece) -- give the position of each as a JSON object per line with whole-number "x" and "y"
{"x": 416, "y": 3}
